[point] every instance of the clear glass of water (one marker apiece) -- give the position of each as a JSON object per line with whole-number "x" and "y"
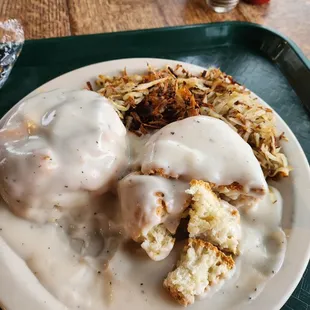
{"x": 11, "y": 43}
{"x": 222, "y": 6}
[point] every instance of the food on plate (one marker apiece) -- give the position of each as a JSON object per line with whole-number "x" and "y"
{"x": 56, "y": 149}
{"x": 197, "y": 147}
{"x": 200, "y": 267}
{"x": 152, "y": 207}
{"x": 213, "y": 219}
{"x": 205, "y": 148}
{"x": 158, "y": 242}
{"x": 158, "y": 97}
{"x": 166, "y": 157}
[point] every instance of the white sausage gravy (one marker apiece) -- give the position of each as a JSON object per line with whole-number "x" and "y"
{"x": 64, "y": 239}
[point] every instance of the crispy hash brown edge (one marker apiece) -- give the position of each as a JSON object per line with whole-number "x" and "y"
{"x": 158, "y": 97}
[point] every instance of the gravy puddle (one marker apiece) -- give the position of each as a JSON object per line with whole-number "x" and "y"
{"x": 86, "y": 262}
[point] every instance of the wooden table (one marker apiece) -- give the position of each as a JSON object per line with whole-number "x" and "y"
{"x": 55, "y": 18}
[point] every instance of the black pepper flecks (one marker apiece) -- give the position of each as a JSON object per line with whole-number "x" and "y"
{"x": 66, "y": 186}
{"x": 141, "y": 284}
{"x": 172, "y": 132}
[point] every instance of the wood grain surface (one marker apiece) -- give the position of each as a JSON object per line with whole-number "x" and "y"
{"x": 54, "y": 18}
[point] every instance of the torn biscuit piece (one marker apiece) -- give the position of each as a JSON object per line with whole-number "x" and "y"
{"x": 152, "y": 207}
{"x": 232, "y": 193}
{"x": 213, "y": 219}
{"x": 158, "y": 243}
{"x": 201, "y": 266}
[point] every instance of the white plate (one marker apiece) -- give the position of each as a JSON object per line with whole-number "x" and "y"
{"x": 296, "y": 214}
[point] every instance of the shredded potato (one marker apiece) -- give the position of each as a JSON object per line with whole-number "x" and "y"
{"x": 159, "y": 97}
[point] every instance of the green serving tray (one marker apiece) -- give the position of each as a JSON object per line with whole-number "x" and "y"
{"x": 265, "y": 61}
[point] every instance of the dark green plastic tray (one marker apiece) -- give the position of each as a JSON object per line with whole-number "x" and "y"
{"x": 266, "y": 62}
